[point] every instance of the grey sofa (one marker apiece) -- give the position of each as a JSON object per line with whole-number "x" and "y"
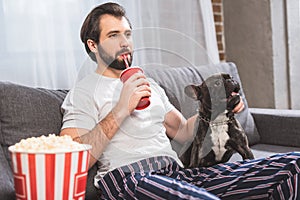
{"x": 26, "y": 112}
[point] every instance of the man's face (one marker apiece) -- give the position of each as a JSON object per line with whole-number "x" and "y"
{"x": 115, "y": 41}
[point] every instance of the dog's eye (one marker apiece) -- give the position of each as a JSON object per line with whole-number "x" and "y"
{"x": 218, "y": 83}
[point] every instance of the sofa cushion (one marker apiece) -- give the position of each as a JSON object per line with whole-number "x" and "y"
{"x": 27, "y": 112}
{"x": 176, "y": 78}
{"x": 7, "y": 190}
{"x": 24, "y": 112}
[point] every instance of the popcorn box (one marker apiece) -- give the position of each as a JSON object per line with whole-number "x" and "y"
{"x": 50, "y": 175}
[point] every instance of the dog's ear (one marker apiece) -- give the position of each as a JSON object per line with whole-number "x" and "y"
{"x": 192, "y": 91}
{"x": 226, "y": 76}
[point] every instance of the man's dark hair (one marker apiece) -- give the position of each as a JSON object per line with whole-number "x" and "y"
{"x": 90, "y": 28}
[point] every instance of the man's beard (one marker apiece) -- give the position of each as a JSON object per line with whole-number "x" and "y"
{"x": 113, "y": 62}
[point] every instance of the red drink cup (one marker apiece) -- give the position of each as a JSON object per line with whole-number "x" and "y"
{"x": 145, "y": 101}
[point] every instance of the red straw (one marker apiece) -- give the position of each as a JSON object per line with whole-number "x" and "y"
{"x": 125, "y": 60}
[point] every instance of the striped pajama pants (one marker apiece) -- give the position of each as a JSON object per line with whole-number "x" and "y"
{"x": 275, "y": 177}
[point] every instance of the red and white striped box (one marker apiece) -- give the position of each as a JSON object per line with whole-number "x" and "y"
{"x": 50, "y": 176}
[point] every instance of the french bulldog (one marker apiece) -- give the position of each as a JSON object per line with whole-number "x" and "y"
{"x": 217, "y": 133}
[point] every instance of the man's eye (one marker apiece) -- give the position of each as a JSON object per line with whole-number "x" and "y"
{"x": 113, "y": 35}
{"x": 128, "y": 34}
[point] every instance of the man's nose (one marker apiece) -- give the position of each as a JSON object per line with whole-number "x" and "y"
{"x": 124, "y": 41}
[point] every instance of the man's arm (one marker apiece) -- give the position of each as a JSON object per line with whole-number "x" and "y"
{"x": 178, "y": 128}
{"x": 99, "y": 136}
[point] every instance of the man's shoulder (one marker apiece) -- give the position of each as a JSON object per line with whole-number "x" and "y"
{"x": 85, "y": 86}
{"x": 92, "y": 84}
{"x": 88, "y": 80}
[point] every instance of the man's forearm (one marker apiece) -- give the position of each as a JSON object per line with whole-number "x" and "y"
{"x": 101, "y": 134}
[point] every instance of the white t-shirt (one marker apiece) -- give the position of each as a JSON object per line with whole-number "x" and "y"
{"x": 140, "y": 136}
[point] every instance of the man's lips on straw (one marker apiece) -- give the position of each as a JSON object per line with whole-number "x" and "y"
{"x": 125, "y": 56}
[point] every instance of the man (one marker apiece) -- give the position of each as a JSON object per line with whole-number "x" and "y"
{"x": 132, "y": 148}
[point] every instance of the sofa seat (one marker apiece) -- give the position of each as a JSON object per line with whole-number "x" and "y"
{"x": 265, "y": 150}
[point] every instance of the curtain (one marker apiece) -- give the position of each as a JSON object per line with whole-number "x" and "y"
{"x": 40, "y": 44}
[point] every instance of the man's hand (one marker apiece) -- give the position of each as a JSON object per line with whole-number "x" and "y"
{"x": 133, "y": 90}
{"x": 239, "y": 107}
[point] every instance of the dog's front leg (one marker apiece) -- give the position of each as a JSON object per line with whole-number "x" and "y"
{"x": 227, "y": 155}
{"x": 243, "y": 150}
{"x": 238, "y": 140}
{"x": 246, "y": 153}
{"x": 241, "y": 147}
{"x": 201, "y": 131}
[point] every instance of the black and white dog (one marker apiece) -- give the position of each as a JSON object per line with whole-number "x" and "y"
{"x": 217, "y": 134}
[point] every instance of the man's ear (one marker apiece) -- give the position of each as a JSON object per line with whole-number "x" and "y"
{"x": 92, "y": 45}
{"x": 193, "y": 91}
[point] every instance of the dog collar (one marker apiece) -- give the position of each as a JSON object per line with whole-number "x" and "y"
{"x": 214, "y": 123}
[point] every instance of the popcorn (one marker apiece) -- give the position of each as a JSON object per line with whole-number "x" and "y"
{"x": 50, "y": 143}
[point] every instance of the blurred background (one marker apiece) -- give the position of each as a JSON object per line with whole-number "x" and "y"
{"x": 40, "y": 44}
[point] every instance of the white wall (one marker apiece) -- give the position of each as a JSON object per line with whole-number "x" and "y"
{"x": 262, "y": 38}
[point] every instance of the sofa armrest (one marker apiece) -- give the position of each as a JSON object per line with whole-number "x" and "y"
{"x": 277, "y": 127}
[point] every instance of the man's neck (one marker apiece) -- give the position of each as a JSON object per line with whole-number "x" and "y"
{"x": 109, "y": 72}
